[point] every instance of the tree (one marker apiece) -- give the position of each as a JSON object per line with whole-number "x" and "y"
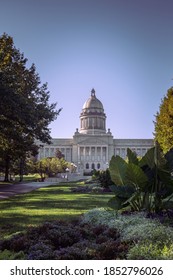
{"x": 51, "y": 166}
{"x": 25, "y": 112}
{"x": 59, "y": 154}
{"x": 164, "y": 122}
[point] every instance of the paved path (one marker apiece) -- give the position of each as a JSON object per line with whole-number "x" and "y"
{"x": 11, "y": 190}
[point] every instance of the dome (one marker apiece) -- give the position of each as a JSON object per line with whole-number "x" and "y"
{"x": 93, "y": 118}
{"x": 93, "y": 102}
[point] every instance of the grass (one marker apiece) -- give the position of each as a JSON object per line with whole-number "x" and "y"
{"x": 45, "y": 204}
{"x": 26, "y": 178}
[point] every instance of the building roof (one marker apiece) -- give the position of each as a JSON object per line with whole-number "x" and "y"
{"x": 93, "y": 102}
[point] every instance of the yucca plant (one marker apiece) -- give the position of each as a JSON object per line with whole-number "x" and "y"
{"x": 144, "y": 184}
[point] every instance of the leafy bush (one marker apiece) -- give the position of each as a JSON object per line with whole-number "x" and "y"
{"x": 133, "y": 227}
{"x": 153, "y": 240}
{"x": 98, "y": 216}
{"x": 16, "y": 243}
{"x": 82, "y": 250}
{"x": 40, "y": 251}
{"x": 66, "y": 240}
{"x": 150, "y": 251}
{"x": 116, "y": 220}
{"x": 81, "y": 189}
{"x": 111, "y": 249}
{"x": 150, "y": 231}
{"x": 93, "y": 187}
{"x": 9, "y": 255}
{"x": 144, "y": 184}
{"x": 104, "y": 178}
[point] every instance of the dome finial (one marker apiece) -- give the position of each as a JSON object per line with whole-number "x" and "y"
{"x": 93, "y": 92}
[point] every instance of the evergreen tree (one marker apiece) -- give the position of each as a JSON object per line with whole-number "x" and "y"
{"x": 164, "y": 122}
{"x": 25, "y": 112}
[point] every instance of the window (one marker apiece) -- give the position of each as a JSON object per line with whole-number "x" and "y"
{"x": 46, "y": 152}
{"x": 98, "y": 165}
{"x": 93, "y": 166}
{"x": 87, "y": 151}
{"x": 87, "y": 165}
{"x": 52, "y": 152}
{"x": 81, "y": 151}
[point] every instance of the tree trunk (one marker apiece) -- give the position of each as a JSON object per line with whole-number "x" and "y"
{"x": 21, "y": 169}
{"x": 7, "y": 167}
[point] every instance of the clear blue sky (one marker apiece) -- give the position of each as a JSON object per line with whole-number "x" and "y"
{"x": 122, "y": 48}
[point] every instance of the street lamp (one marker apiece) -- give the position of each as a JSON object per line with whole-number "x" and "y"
{"x": 67, "y": 170}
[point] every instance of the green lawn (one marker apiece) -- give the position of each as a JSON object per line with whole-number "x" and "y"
{"x": 45, "y": 204}
{"x": 26, "y": 178}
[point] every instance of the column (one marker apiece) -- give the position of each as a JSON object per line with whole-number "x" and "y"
{"x": 84, "y": 154}
{"x": 107, "y": 154}
{"x": 78, "y": 153}
{"x": 95, "y": 153}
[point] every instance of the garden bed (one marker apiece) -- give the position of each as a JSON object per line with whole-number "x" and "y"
{"x": 98, "y": 234}
{"x": 56, "y": 223}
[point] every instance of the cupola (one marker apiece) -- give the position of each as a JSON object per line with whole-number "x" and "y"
{"x": 92, "y": 117}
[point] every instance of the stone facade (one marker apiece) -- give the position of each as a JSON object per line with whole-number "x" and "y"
{"x": 92, "y": 146}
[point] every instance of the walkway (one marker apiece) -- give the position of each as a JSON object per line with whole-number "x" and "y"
{"x": 8, "y": 190}
{"x": 11, "y": 190}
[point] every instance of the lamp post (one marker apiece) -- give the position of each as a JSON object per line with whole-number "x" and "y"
{"x": 67, "y": 171}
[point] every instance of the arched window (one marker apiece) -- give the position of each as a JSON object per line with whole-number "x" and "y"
{"x": 87, "y": 165}
{"x": 98, "y": 165}
{"x": 93, "y": 166}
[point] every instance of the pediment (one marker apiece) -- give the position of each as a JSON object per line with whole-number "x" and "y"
{"x": 93, "y": 141}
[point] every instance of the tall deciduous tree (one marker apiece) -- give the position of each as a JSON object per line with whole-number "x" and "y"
{"x": 25, "y": 112}
{"x": 164, "y": 122}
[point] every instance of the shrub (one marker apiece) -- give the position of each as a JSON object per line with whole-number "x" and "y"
{"x": 111, "y": 250}
{"x": 97, "y": 189}
{"x": 150, "y": 251}
{"x": 98, "y": 216}
{"x": 9, "y": 255}
{"x": 40, "y": 251}
{"x": 64, "y": 236}
{"x": 93, "y": 187}
{"x": 150, "y": 231}
{"x": 82, "y": 250}
{"x": 144, "y": 184}
{"x": 16, "y": 243}
{"x": 82, "y": 189}
{"x": 136, "y": 228}
{"x": 67, "y": 240}
{"x": 104, "y": 178}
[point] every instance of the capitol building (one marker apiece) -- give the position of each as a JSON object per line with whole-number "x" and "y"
{"x": 92, "y": 146}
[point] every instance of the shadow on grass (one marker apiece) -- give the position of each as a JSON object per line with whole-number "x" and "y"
{"x": 45, "y": 204}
